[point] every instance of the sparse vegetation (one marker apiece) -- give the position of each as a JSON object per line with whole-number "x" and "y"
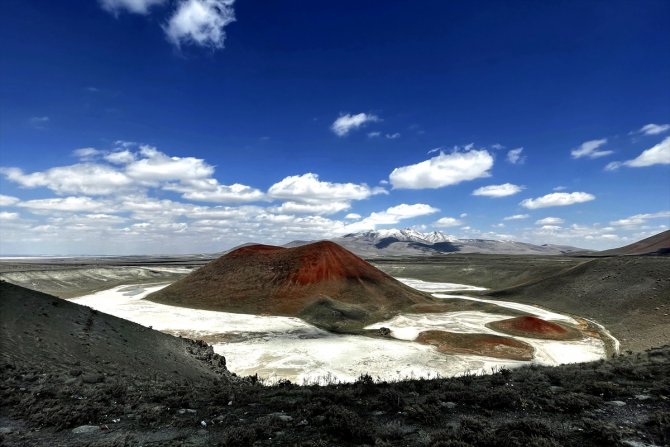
{"x": 592, "y": 406}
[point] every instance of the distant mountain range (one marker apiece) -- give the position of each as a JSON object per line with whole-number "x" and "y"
{"x": 410, "y": 242}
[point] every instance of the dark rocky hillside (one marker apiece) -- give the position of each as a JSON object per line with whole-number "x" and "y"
{"x": 39, "y": 329}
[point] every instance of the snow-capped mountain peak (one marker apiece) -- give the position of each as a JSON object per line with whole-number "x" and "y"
{"x": 410, "y": 242}
{"x": 437, "y": 236}
{"x": 404, "y": 235}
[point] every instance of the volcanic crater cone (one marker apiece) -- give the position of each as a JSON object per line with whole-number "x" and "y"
{"x": 320, "y": 282}
{"x": 534, "y": 327}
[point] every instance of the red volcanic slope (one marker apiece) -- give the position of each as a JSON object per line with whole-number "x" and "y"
{"x": 533, "y": 324}
{"x": 530, "y": 326}
{"x": 263, "y": 279}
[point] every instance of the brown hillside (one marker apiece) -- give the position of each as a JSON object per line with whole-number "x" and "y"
{"x": 657, "y": 244}
{"x": 321, "y": 282}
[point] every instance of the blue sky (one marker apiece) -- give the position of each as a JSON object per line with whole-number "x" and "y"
{"x": 181, "y": 126}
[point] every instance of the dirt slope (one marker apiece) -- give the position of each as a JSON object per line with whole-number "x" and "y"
{"x": 320, "y": 282}
{"x": 38, "y": 329}
{"x": 658, "y": 244}
{"x": 630, "y": 295}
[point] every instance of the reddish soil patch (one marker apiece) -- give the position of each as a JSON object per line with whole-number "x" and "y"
{"x": 327, "y": 261}
{"x": 320, "y": 282}
{"x": 477, "y": 344}
{"x": 533, "y": 327}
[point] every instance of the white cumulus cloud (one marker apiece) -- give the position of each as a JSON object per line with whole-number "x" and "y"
{"x": 654, "y": 129}
{"x": 640, "y": 219}
{"x": 135, "y": 172}
{"x": 200, "y": 22}
{"x": 504, "y": 190}
{"x": 134, "y": 6}
{"x": 550, "y": 221}
{"x": 120, "y": 157}
{"x": 308, "y": 188}
{"x": 331, "y": 207}
{"x": 8, "y": 200}
{"x": 72, "y": 204}
{"x": 86, "y": 153}
{"x": 156, "y": 166}
{"x": 81, "y": 178}
{"x": 656, "y": 155}
{"x": 445, "y": 222}
{"x": 210, "y": 190}
{"x": 346, "y": 123}
{"x": 514, "y": 156}
{"x": 443, "y": 170}
{"x": 557, "y": 199}
{"x": 397, "y": 213}
{"x": 517, "y": 217}
{"x": 6, "y": 215}
{"x": 392, "y": 216}
{"x": 590, "y": 149}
